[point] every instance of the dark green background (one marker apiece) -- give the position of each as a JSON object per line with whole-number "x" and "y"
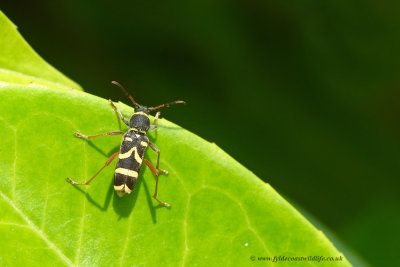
{"x": 305, "y": 94}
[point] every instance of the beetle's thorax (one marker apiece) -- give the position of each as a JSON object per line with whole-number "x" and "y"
{"x": 140, "y": 119}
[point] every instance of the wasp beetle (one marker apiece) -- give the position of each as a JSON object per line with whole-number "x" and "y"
{"x": 133, "y": 147}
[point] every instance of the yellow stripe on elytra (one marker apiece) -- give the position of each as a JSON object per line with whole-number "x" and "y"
{"x": 136, "y": 130}
{"x": 119, "y": 187}
{"x": 143, "y": 144}
{"x": 128, "y": 139}
{"x": 122, "y": 187}
{"x": 137, "y": 157}
{"x": 126, "y": 172}
{"x": 129, "y": 153}
{"x": 127, "y": 189}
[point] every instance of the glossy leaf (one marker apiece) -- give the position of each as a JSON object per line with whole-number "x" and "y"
{"x": 21, "y": 65}
{"x": 221, "y": 213}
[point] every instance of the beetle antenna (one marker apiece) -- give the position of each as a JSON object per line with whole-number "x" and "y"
{"x": 125, "y": 91}
{"x": 167, "y": 105}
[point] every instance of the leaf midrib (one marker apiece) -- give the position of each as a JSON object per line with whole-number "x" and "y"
{"x": 29, "y": 224}
{"x": 249, "y": 226}
{"x": 34, "y": 228}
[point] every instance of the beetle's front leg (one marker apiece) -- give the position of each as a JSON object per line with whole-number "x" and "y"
{"x": 152, "y": 127}
{"x": 119, "y": 113}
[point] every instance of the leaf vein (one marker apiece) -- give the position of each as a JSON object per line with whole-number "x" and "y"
{"x": 245, "y": 215}
{"x": 13, "y": 184}
{"x": 80, "y": 229}
{"x": 14, "y": 224}
{"x": 37, "y": 230}
{"x": 186, "y": 213}
{"x": 45, "y": 205}
{"x": 126, "y": 241}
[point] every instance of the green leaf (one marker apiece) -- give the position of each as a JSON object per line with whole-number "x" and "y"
{"x": 221, "y": 213}
{"x": 19, "y": 63}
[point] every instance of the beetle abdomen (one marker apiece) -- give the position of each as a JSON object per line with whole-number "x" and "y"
{"x": 129, "y": 162}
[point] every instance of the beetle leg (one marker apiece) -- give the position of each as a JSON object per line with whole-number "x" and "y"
{"x": 152, "y": 127}
{"x": 105, "y": 165}
{"x": 153, "y": 170}
{"x": 119, "y": 113}
{"x": 158, "y": 158}
{"x": 96, "y": 135}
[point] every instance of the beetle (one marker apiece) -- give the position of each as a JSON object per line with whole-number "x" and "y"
{"x": 133, "y": 146}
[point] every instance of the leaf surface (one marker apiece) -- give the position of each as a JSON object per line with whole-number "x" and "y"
{"x": 221, "y": 213}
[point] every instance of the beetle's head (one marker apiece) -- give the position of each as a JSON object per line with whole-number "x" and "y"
{"x": 140, "y": 119}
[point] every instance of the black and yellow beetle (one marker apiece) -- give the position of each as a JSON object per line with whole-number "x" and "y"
{"x": 133, "y": 147}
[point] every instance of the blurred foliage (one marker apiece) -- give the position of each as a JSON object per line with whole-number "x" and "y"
{"x": 308, "y": 90}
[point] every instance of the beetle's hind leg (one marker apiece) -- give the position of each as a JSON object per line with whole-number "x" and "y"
{"x": 153, "y": 170}
{"x": 105, "y": 165}
{"x": 96, "y": 135}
